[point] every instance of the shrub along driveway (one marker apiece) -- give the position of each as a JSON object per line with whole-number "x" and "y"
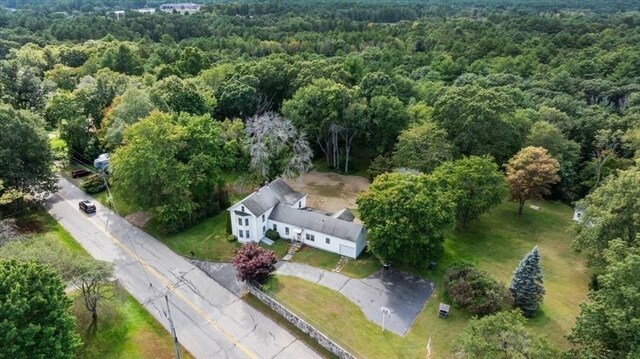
{"x": 404, "y": 294}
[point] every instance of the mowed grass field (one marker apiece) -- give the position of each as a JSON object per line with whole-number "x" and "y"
{"x": 125, "y": 329}
{"x": 496, "y": 243}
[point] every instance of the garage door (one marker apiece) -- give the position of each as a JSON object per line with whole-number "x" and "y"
{"x": 346, "y": 251}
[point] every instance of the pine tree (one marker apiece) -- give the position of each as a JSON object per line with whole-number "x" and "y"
{"x": 526, "y": 284}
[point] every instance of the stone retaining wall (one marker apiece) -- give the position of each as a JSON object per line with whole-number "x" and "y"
{"x": 300, "y": 323}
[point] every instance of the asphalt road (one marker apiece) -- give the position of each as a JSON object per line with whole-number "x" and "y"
{"x": 210, "y": 321}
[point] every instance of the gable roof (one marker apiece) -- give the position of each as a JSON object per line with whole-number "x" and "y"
{"x": 317, "y": 222}
{"x": 278, "y": 191}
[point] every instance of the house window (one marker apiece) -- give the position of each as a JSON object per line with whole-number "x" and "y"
{"x": 286, "y": 231}
{"x": 327, "y": 240}
{"x": 299, "y": 204}
{"x": 275, "y": 227}
{"x": 264, "y": 229}
{"x": 247, "y": 234}
{"x": 263, "y": 218}
{"x": 240, "y": 233}
{"x": 246, "y": 221}
{"x": 242, "y": 208}
{"x": 310, "y": 237}
{"x": 239, "y": 221}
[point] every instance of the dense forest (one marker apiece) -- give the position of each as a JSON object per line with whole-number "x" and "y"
{"x": 363, "y": 82}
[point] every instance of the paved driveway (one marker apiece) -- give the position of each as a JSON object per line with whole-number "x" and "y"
{"x": 404, "y": 294}
{"x": 210, "y": 321}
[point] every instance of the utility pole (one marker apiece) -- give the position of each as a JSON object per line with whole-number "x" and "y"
{"x": 176, "y": 345}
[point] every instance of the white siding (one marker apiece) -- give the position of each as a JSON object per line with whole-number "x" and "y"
{"x": 301, "y": 203}
{"x": 361, "y": 242}
{"x": 281, "y": 229}
{"x": 236, "y": 227}
{"x": 319, "y": 238}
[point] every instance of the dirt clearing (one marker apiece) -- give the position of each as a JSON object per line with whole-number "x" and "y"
{"x": 329, "y": 191}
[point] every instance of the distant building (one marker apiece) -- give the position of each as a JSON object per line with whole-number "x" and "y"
{"x": 120, "y": 13}
{"x": 146, "y": 10}
{"x": 182, "y": 8}
{"x": 277, "y": 206}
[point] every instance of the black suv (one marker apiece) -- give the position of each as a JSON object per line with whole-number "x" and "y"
{"x": 87, "y": 207}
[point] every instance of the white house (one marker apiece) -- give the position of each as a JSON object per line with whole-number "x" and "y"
{"x": 277, "y": 206}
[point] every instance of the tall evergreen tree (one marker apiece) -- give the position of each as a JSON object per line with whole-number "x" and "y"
{"x": 527, "y": 284}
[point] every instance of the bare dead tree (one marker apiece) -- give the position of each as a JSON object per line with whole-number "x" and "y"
{"x": 272, "y": 139}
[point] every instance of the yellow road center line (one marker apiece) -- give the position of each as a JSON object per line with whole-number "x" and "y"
{"x": 172, "y": 288}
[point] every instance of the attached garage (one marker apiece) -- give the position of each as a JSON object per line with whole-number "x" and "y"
{"x": 346, "y": 251}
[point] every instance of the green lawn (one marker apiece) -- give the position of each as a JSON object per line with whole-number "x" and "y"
{"x": 362, "y": 267}
{"x": 496, "y": 243}
{"x": 300, "y": 335}
{"x": 124, "y": 207}
{"x": 279, "y": 246}
{"x": 43, "y": 226}
{"x": 316, "y": 257}
{"x": 207, "y": 239}
{"x": 365, "y": 265}
{"x": 125, "y": 329}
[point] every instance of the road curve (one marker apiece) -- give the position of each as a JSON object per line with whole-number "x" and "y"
{"x": 210, "y": 321}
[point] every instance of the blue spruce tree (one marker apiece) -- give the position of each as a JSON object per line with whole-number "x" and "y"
{"x": 526, "y": 284}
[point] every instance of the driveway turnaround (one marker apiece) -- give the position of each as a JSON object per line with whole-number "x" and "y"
{"x": 402, "y": 293}
{"x": 210, "y": 321}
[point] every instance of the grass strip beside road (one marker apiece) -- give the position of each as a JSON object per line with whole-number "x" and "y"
{"x": 299, "y": 334}
{"x": 124, "y": 330}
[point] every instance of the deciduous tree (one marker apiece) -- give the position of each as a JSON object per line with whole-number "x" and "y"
{"x": 609, "y": 323}
{"x": 406, "y": 216}
{"x": 611, "y": 211}
{"x": 133, "y": 105}
{"x": 178, "y": 178}
{"x": 475, "y": 290}
{"x": 173, "y": 94}
{"x": 476, "y": 184}
{"x": 502, "y": 336}
{"x": 530, "y": 172}
{"x": 476, "y": 121}
{"x": 62, "y": 105}
{"x": 254, "y": 263}
{"x": 422, "y": 147}
{"x": 92, "y": 277}
{"x": 567, "y": 152}
{"x": 25, "y": 155}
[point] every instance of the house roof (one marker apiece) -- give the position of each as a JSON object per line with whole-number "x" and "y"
{"x": 317, "y": 222}
{"x": 278, "y": 191}
{"x": 344, "y": 214}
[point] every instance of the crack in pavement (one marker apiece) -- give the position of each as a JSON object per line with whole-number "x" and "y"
{"x": 284, "y": 348}
{"x": 345, "y": 283}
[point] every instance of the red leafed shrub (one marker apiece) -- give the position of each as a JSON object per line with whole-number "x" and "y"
{"x": 254, "y": 263}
